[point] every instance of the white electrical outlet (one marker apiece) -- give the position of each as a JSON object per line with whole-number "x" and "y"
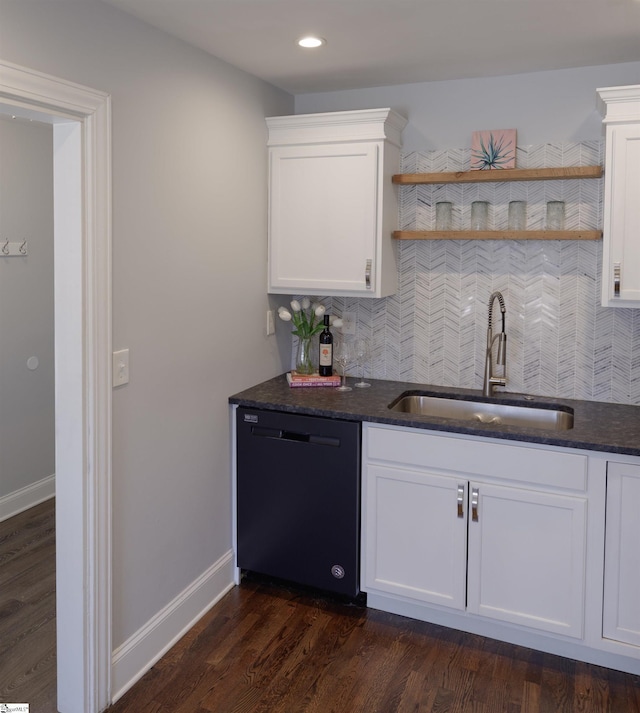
{"x": 349, "y": 323}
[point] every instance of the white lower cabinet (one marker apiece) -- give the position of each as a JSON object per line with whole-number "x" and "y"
{"x": 437, "y": 533}
{"x": 526, "y": 559}
{"x": 532, "y": 544}
{"x": 415, "y": 546}
{"x": 520, "y": 558}
{"x": 621, "y": 616}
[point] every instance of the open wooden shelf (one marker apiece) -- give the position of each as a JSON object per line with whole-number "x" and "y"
{"x": 497, "y": 234}
{"x": 497, "y": 175}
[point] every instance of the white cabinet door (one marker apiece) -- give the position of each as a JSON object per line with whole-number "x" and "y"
{"x": 621, "y": 618}
{"x": 621, "y": 230}
{"x": 622, "y": 217}
{"x": 527, "y": 557}
{"x": 415, "y": 543}
{"x": 323, "y": 219}
{"x": 332, "y": 204}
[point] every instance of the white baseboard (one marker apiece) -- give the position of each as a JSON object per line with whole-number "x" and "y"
{"x": 137, "y": 655}
{"x": 25, "y": 498}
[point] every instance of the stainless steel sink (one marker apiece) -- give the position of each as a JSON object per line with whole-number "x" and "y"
{"x": 527, "y": 416}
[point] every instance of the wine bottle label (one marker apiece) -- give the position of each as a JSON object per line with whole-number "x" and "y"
{"x": 326, "y": 354}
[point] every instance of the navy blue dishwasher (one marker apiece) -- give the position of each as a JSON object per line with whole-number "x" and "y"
{"x": 298, "y": 498}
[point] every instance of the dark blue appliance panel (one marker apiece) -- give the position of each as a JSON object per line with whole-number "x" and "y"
{"x": 298, "y": 498}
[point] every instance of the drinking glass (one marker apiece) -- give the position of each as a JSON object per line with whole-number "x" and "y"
{"x": 342, "y": 355}
{"x": 362, "y": 356}
{"x": 555, "y": 215}
{"x": 443, "y": 215}
{"x": 479, "y": 215}
{"x": 517, "y": 215}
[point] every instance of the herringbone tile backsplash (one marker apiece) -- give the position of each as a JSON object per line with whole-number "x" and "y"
{"x": 561, "y": 342}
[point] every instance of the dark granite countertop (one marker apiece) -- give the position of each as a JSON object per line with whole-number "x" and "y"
{"x": 598, "y": 426}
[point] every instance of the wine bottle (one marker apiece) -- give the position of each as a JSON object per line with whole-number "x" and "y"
{"x": 326, "y": 350}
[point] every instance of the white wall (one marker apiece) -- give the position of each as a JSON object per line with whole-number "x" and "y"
{"x": 189, "y": 278}
{"x": 26, "y": 313}
{"x": 545, "y": 107}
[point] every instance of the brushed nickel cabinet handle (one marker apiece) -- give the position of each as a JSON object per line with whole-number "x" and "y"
{"x": 475, "y": 496}
{"x": 367, "y": 274}
{"x": 460, "y": 500}
{"x": 616, "y": 279}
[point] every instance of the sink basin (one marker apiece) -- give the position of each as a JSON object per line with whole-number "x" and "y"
{"x": 526, "y": 416}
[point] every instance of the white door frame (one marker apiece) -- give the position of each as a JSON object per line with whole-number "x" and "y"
{"x": 81, "y": 119}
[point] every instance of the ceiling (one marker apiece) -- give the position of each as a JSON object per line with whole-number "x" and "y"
{"x": 383, "y": 42}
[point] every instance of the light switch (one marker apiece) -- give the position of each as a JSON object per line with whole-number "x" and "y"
{"x": 271, "y": 327}
{"x": 121, "y": 367}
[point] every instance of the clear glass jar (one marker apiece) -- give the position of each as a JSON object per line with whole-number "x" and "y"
{"x": 555, "y": 215}
{"x": 479, "y": 215}
{"x": 517, "y": 215}
{"x": 444, "y": 212}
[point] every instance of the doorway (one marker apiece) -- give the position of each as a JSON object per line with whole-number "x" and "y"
{"x": 82, "y": 267}
{"x": 27, "y": 433}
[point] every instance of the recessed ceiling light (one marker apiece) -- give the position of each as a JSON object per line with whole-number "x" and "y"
{"x": 310, "y": 42}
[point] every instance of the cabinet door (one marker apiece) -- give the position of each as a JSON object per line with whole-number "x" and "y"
{"x": 622, "y": 217}
{"x": 621, "y": 620}
{"x": 527, "y": 558}
{"x": 323, "y": 219}
{"x": 415, "y": 543}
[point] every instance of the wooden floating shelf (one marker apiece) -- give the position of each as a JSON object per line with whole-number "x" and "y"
{"x": 497, "y": 234}
{"x": 498, "y": 176}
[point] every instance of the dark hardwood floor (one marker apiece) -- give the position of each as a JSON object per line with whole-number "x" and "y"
{"x": 269, "y": 649}
{"x": 27, "y": 609}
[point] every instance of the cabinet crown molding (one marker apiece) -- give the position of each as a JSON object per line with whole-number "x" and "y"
{"x": 358, "y": 125}
{"x": 619, "y": 104}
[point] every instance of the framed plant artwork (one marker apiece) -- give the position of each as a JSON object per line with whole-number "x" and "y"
{"x": 493, "y": 149}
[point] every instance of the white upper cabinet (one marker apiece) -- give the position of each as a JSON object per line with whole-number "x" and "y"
{"x": 332, "y": 204}
{"x": 621, "y": 248}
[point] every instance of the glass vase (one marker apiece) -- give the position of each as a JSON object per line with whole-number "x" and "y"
{"x": 304, "y": 357}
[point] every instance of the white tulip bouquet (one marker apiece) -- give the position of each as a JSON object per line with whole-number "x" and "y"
{"x": 308, "y": 320}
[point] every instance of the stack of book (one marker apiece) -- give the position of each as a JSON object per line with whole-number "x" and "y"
{"x": 298, "y": 380}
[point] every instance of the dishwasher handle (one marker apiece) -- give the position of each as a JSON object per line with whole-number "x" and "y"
{"x": 284, "y": 435}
